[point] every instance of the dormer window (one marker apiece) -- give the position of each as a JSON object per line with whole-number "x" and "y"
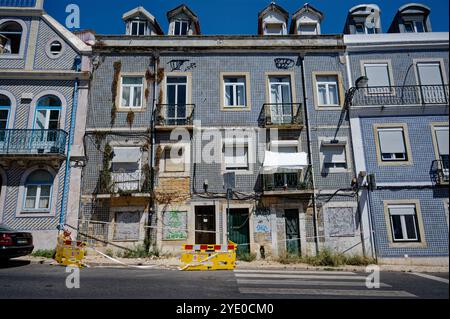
{"x": 308, "y": 28}
{"x": 138, "y": 27}
{"x": 10, "y": 37}
{"x": 181, "y": 27}
{"x": 274, "y": 29}
{"x": 360, "y": 28}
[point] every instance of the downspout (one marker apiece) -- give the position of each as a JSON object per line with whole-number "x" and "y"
{"x": 152, "y": 208}
{"x": 62, "y": 216}
{"x": 310, "y": 157}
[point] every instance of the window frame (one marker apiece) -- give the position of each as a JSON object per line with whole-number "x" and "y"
{"x": 37, "y": 197}
{"x": 342, "y": 142}
{"x": 143, "y": 86}
{"x": 181, "y": 22}
{"x": 367, "y": 91}
{"x": 23, "y": 40}
{"x": 340, "y": 91}
{"x": 244, "y": 141}
{"x": 186, "y": 160}
{"x": 8, "y": 109}
{"x": 420, "y": 229}
{"x": 406, "y": 140}
{"x": 138, "y": 22}
{"x": 246, "y": 76}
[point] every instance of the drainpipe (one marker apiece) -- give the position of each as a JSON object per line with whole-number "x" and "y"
{"x": 310, "y": 157}
{"x": 62, "y": 216}
{"x": 152, "y": 208}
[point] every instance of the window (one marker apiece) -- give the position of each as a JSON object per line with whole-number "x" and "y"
{"x": 138, "y": 27}
{"x": 288, "y": 146}
{"x": 10, "y": 37}
{"x": 334, "y": 157}
{"x": 360, "y": 29}
{"x": 409, "y": 27}
{"x": 308, "y": 28}
{"x": 174, "y": 159}
{"x": 379, "y": 78}
{"x": 5, "y": 104}
{"x": 235, "y": 92}
{"x": 431, "y": 82}
{"x": 127, "y": 226}
{"x": 281, "y": 99}
{"x": 181, "y": 27}
{"x": 236, "y": 156}
{"x": 274, "y": 29}
{"x": 132, "y": 92}
{"x": 443, "y": 148}
{"x": 126, "y": 168}
{"x": 392, "y": 144}
{"x": 404, "y": 223}
{"x": 176, "y": 90}
{"x": 55, "y": 48}
{"x": 47, "y": 118}
{"x": 38, "y": 191}
{"x": 414, "y": 26}
{"x": 327, "y": 90}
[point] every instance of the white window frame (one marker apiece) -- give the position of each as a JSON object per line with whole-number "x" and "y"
{"x": 376, "y": 89}
{"x": 327, "y": 90}
{"x": 245, "y": 145}
{"x": 234, "y": 86}
{"x": 176, "y": 104}
{"x": 138, "y": 22}
{"x": 132, "y": 92}
{"x": 403, "y": 224}
{"x": 181, "y": 22}
{"x": 315, "y": 25}
{"x": 393, "y": 155}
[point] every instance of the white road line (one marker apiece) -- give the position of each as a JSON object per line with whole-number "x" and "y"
{"x": 327, "y": 292}
{"x": 305, "y": 283}
{"x": 300, "y": 272}
{"x": 430, "y": 277}
{"x": 299, "y": 276}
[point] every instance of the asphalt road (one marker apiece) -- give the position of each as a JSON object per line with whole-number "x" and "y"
{"x": 34, "y": 281}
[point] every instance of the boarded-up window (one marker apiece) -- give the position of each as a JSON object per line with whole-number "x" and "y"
{"x": 127, "y": 226}
{"x": 174, "y": 159}
{"x": 340, "y": 221}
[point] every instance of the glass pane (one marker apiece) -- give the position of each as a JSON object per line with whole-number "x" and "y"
{"x": 333, "y": 94}
{"x": 134, "y": 28}
{"x": 30, "y": 202}
{"x": 44, "y": 202}
{"x": 4, "y": 100}
{"x": 45, "y": 190}
{"x": 286, "y": 93}
{"x": 177, "y": 28}
{"x": 41, "y": 119}
{"x": 181, "y": 98}
{"x": 409, "y": 27}
{"x": 229, "y": 98}
{"x": 274, "y": 94}
{"x": 131, "y": 80}
{"x": 171, "y": 98}
{"x": 397, "y": 227}
{"x": 171, "y": 80}
{"x": 40, "y": 177}
{"x": 322, "y": 94}
{"x": 240, "y": 91}
{"x": 49, "y": 100}
{"x": 410, "y": 226}
{"x": 184, "y": 28}
{"x": 31, "y": 191}
{"x": 141, "y": 28}
{"x": 137, "y": 98}
{"x": 126, "y": 91}
{"x": 419, "y": 26}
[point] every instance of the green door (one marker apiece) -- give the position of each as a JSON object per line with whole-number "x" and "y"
{"x": 239, "y": 230}
{"x": 292, "y": 232}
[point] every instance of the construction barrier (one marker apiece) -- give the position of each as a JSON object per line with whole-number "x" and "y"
{"x": 70, "y": 252}
{"x": 209, "y": 257}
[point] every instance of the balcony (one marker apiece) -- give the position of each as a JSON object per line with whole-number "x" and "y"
{"x": 124, "y": 183}
{"x": 174, "y": 115}
{"x": 285, "y": 183}
{"x": 440, "y": 172}
{"x": 41, "y": 144}
{"x": 284, "y": 115}
{"x": 402, "y": 95}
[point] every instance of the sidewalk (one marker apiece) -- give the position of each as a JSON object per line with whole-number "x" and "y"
{"x": 174, "y": 263}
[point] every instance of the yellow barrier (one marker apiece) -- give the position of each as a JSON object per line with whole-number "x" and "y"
{"x": 70, "y": 252}
{"x": 209, "y": 257}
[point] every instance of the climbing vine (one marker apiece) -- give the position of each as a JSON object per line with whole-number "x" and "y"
{"x": 115, "y": 84}
{"x": 105, "y": 175}
{"x": 130, "y": 118}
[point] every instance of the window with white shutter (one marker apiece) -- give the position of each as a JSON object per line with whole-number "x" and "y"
{"x": 392, "y": 144}
{"x": 379, "y": 78}
{"x": 334, "y": 157}
{"x": 404, "y": 223}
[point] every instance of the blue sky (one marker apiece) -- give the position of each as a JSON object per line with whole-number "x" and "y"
{"x": 230, "y": 16}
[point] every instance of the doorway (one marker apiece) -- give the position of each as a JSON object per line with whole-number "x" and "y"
{"x": 239, "y": 229}
{"x": 205, "y": 225}
{"x": 292, "y": 232}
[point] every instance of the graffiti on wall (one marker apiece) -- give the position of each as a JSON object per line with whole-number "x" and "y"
{"x": 175, "y": 225}
{"x": 284, "y": 63}
{"x": 181, "y": 65}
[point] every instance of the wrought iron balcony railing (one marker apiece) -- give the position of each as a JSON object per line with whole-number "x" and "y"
{"x": 33, "y": 142}
{"x": 174, "y": 114}
{"x": 401, "y": 95}
{"x": 124, "y": 182}
{"x": 296, "y": 181}
{"x": 281, "y": 114}
{"x": 440, "y": 172}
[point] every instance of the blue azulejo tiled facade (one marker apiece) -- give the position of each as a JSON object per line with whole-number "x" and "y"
{"x": 42, "y": 104}
{"x": 399, "y": 122}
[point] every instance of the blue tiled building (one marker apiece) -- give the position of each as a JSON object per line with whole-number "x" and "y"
{"x": 43, "y": 100}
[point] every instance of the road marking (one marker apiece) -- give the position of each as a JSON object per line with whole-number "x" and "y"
{"x": 430, "y": 277}
{"x": 300, "y": 272}
{"x": 305, "y": 283}
{"x": 299, "y": 276}
{"x": 327, "y": 292}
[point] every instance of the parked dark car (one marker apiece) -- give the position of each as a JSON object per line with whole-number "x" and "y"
{"x": 14, "y": 244}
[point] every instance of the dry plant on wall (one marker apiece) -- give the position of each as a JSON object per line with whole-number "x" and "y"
{"x": 130, "y": 118}
{"x": 114, "y": 87}
{"x": 150, "y": 78}
{"x": 160, "y": 75}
